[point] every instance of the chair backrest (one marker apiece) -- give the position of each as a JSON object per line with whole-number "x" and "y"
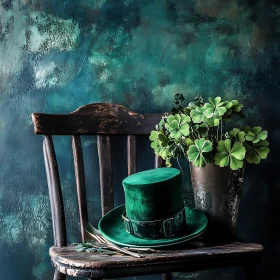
{"x": 103, "y": 120}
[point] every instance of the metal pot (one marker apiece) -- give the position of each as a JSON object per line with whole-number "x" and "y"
{"x": 217, "y": 192}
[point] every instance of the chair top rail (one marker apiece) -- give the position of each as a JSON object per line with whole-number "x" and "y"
{"x": 94, "y": 119}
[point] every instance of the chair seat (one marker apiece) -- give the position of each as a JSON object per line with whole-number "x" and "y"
{"x": 195, "y": 256}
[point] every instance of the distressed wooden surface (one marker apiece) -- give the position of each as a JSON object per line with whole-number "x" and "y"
{"x": 55, "y": 192}
{"x": 105, "y": 120}
{"x": 131, "y": 154}
{"x": 98, "y": 118}
{"x": 80, "y": 182}
{"x": 196, "y": 256}
{"x": 106, "y": 173}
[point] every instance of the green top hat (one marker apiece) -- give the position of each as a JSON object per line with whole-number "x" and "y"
{"x": 153, "y": 203}
{"x": 154, "y": 214}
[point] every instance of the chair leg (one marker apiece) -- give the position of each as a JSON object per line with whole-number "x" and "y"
{"x": 167, "y": 276}
{"x": 58, "y": 275}
{"x": 250, "y": 273}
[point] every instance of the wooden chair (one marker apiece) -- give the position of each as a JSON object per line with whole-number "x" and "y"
{"x": 104, "y": 120}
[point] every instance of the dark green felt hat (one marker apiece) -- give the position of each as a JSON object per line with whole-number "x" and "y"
{"x": 154, "y": 214}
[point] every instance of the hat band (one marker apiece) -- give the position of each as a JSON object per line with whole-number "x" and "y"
{"x": 165, "y": 228}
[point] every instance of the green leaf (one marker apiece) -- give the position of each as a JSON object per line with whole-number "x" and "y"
{"x": 235, "y": 163}
{"x": 262, "y": 135}
{"x": 238, "y": 151}
{"x": 178, "y": 126}
{"x": 154, "y": 144}
{"x": 153, "y": 135}
{"x": 214, "y": 121}
{"x": 198, "y": 153}
{"x": 184, "y": 119}
{"x": 253, "y": 157}
{"x": 224, "y": 146}
{"x": 236, "y": 106}
{"x": 228, "y": 155}
{"x": 216, "y": 107}
{"x": 237, "y": 135}
{"x": 197, "y": 114}
{"x": 220, "y": 111}
{"x": 170, "y": 119}
{"x": 256, "y": 151}
{"x": 174, "y": 126}
{"x": 164, "y": 153}
{"x": 185, "y": 129}
{"x": 246, "y": 129}
{"x": 221, "y": 159}
{"x": 256, "y": 134}
{"x": 163, "y": 140}
{"x": 193, "y": 153}
{"x": 189, "y": 142}
{"x": 177, "y": 118}
{"x": 228, "y": 105}
{"x": 256, "y": 130}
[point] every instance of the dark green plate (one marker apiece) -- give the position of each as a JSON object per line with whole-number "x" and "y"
{"x": 112, "y": 227}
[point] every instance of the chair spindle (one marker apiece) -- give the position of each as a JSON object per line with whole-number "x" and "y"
{"x": 106, "y": 178}
{"x": 131, "y": 154}
{"x": 55, "y": 193}
{"x": 159, "y": 162}
{"x": 80, "y": 182}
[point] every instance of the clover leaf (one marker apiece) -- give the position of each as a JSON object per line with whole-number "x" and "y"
{"x": 236, "y": 106}
{"x": 178, "y": 126}
{"x": 256, "y": 134}
{"x": 228, "y": 155}
{"x": 237, "y": 135}
{"x": 154, "y": 135}
{"x": 257, "y": 151}
{"x": 214, "y": 121}
{"x": 198, "y": 153}
{"x": 246, "y": 129}
{"x": 216, "y": 107}
{"x": 159, "y": 141}
{"x": 197, "y": 115}
{"x": 189, "y": 142}
{"x": 164, "y": 152}
{"x": 154, "y": 138}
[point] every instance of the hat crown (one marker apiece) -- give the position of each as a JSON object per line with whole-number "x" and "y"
{"x": 153, "y": 194}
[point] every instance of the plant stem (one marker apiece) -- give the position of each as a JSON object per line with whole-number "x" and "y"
{"x": 180, "y": 166}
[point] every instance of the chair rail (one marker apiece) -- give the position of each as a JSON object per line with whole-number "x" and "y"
{"x": 94, "y": 119}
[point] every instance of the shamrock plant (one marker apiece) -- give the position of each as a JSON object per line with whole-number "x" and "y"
{"x": 199, "y": 152}
{"x": 197, "y": 132}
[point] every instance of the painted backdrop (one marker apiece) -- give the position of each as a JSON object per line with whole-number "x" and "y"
{"x": 56, "y": 55}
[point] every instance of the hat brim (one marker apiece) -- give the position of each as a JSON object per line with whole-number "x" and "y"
{"x": 112, "y": 228}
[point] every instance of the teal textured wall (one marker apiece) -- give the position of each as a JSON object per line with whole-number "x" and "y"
{"x": 56, "y": 55}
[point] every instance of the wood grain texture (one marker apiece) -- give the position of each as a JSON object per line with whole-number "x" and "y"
{"x": 80, "y": 182}
{"x": 195, "y": 257}
{"x": 47, "y": 168}
{"x": 93, "y": 119}
{"x": 106, "y": 174}
{"x": 57, "y": 205}
{"x": 131, "y": 154}
{"x": 159, "y": 162}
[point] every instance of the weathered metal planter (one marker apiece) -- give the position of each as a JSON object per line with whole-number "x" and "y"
{"x": 217, "y": 192}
